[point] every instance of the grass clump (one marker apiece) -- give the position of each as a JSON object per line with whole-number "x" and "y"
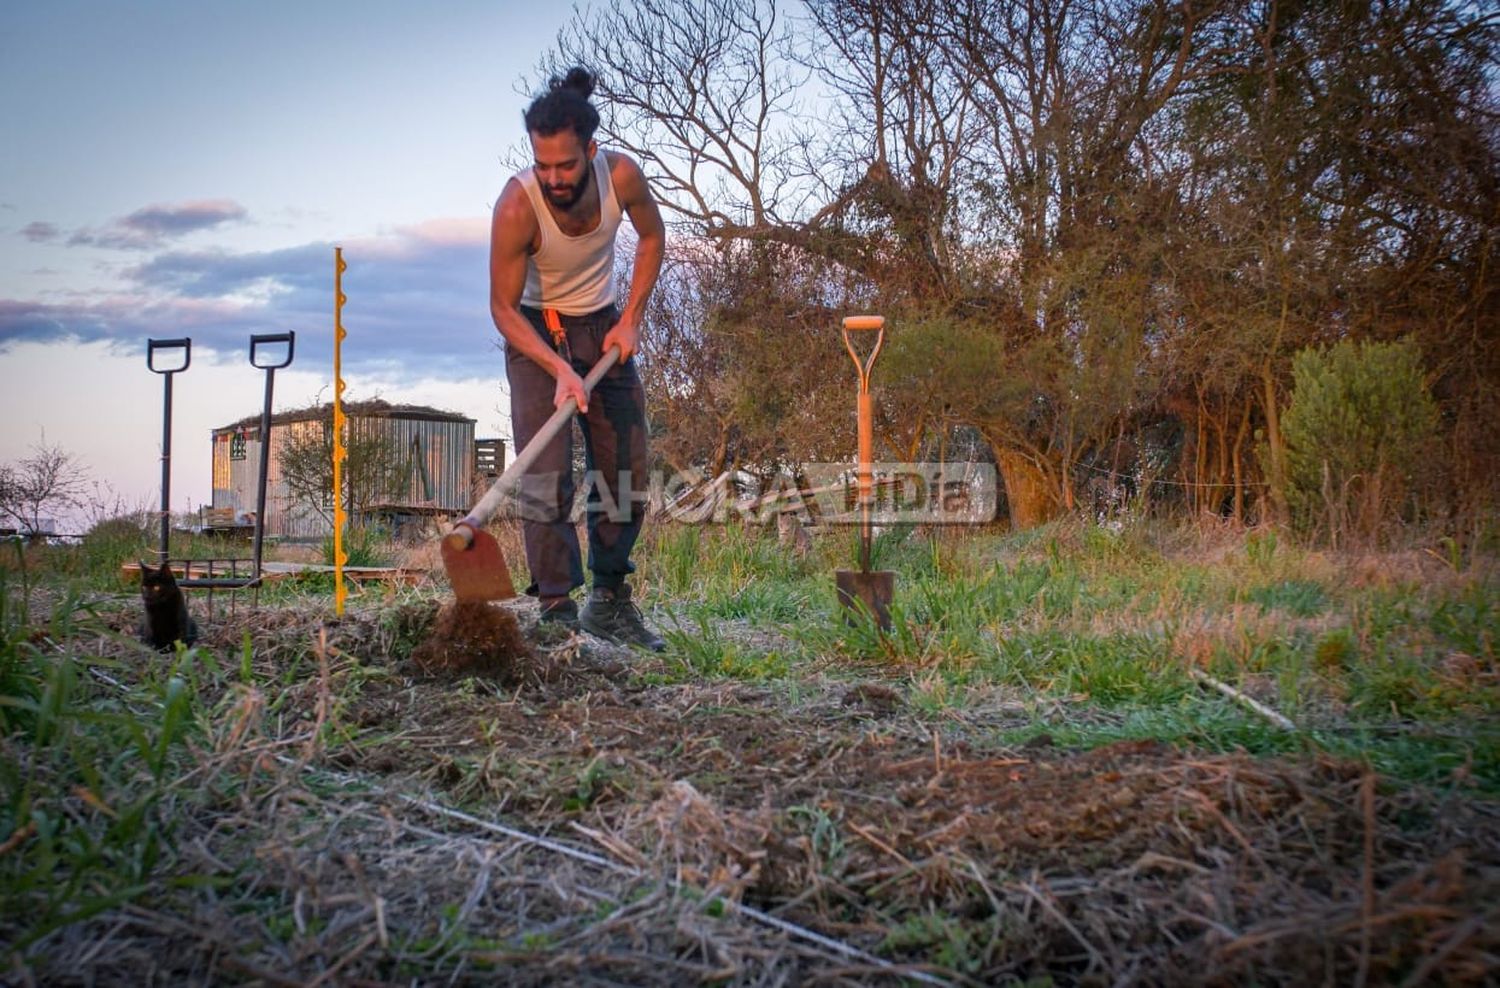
{"x": 699, "y": 648}
{"x": 364, "y": 545}
{"x": 88, "y": 784}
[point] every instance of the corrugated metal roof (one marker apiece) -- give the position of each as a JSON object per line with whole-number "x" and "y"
{"x": 374, "y": 408}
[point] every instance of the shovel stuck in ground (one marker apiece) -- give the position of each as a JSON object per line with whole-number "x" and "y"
{"x": 864, "y": 589}
{"x": 471, "y": 556}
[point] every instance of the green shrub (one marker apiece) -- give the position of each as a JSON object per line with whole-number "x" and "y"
{"x": 1359, "y": 429}
{"x": 115, "y": 541}
{"x": 365, "y": 546}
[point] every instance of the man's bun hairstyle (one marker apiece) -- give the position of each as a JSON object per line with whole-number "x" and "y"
{"x": 578, "y": 79}
{"x": 565, "y": 106}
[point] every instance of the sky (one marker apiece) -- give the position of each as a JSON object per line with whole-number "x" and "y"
{"x": 182, "y": 168}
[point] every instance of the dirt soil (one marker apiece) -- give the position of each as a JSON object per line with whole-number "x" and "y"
{"x": 659, "y": 832}
{"x": 475, "y": 639}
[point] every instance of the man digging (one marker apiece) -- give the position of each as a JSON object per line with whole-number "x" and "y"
{"x": 552, "y": 296}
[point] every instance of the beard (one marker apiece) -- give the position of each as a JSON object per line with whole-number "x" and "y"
{"x": 567, "y": 196}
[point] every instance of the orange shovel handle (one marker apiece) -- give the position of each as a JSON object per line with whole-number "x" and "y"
{"x": 862, "y": 367}
{"x": 866, "y": 447}
{"x": 462, "y": 534}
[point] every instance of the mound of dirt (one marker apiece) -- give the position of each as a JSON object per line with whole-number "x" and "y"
{"x": 475, "y": 639}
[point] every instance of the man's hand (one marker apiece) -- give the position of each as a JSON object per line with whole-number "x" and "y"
{"x": 625, "y": 334}
{"x": 570, "y": 385}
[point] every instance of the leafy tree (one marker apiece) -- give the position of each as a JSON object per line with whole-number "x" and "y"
{"x": 1338, "y": 182}
{"x": 1360, "y": 429}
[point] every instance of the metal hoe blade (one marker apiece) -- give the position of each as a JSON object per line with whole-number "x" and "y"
{"x": 477, "y": 573}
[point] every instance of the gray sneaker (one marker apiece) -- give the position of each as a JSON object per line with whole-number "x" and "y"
{"x": 562, "y": 611}
{"x": 611, "y": 615}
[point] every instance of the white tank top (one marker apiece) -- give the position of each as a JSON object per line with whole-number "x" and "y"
{"x": 574, "y": 275}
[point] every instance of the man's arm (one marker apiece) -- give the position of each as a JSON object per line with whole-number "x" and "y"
{"x": 512, "y": 229}
{"x": 635, "y": 199}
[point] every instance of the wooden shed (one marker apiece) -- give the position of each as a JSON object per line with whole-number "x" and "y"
{"x": 428, "y": 466}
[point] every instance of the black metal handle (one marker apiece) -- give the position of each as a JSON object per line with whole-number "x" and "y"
{"x": 262, "y": 339}
{"x": 185, "y": 344}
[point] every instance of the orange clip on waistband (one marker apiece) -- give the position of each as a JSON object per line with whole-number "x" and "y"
{"x": 554, "y": 325}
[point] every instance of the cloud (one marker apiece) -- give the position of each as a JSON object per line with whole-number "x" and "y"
{"x": 40, "y": 232}
{"x": 417, "y": 300}
{"x": 119, "y": 318}
{"x": 153, "y": 226}
{"x": 466, "y": 232}
{"x": 220, "y": 273}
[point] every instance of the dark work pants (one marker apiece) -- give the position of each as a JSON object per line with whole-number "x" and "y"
{"x": 614, "y": 442}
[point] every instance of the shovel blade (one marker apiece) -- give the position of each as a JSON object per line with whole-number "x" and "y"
{"x": 871, "y": 592}
{"x": 477, "y": 573}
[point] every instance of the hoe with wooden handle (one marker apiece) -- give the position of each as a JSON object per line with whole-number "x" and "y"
{"x": 866, "y": 590}
{"x": 471, "y": 556}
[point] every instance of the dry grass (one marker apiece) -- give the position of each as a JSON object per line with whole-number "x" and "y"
{"x": 353, "y": 810}
{"x": 672, "y": 834}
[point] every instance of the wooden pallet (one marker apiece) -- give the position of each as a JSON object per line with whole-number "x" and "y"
{"x": 192, "y": 569}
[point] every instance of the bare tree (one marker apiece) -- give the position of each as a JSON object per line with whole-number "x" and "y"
{"x": 372, "y": 471}
{"x": 48, "y": 482}
{"x": 705, "y": 97}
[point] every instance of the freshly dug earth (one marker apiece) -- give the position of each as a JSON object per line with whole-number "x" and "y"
{"x": 475, "y": 639}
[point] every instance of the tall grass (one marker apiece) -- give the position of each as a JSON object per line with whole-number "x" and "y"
{"x": 1115, "y": 619}
{"x": 364, "y": 545}
{"x": 96, "y": 560}
{"x": 87, "y": 782}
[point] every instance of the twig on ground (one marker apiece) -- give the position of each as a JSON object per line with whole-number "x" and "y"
{"x": 364, "y": 944}
{"x": 21, "y": 836}
{"x": 888, "y": 849}
{"x": 611, "y": 843}
{"x": 1430, "y": 964}
{"x": 1279, "y": 720}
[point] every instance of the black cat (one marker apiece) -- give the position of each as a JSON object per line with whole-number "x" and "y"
{"x": 167, "y": 618}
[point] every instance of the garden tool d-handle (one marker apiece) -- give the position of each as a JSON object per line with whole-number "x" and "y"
{"x": 862, "y": 366}
{"x": 462, "y": 535}
{"x": 265, "y": 339}
{"x": 185, "y": 344}
{"x": 258, "y": 340}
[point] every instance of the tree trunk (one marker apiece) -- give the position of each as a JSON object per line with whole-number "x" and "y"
{"x": 1196, "y": 496}
{"x": 1276, "y": 447}
{"x": 1220, "y": 423}
{"x": 1239, "y": 469}
{"x": 1027, "y": 489}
